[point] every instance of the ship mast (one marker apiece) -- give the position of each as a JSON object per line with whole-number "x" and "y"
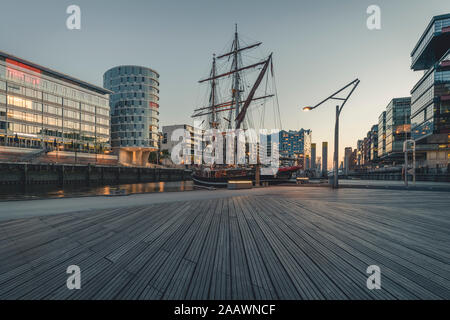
{"x": 212, "y": 99}
{"x": 236, "y": 106}
{"x": 236, "y": 90}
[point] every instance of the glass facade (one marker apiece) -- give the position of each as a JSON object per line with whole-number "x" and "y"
{"x": 430, "y": 108}
{"x": 360, "y": 152}
{"x": 295, "y": 143}
{"x": 398, "y": 124}
{"x": 366, "y": 149}
{"x": 134, "y": 106}
{"x": 430, "y": 97}
{"x": 43, "y": 108}
{"x": 426, "y": 52}
{"x": 382, "y": 134}
{"x": 374, "y": 143}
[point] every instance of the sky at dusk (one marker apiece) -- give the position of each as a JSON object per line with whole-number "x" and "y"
{"x": 319, "y": 46}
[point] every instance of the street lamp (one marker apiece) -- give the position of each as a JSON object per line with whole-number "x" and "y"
{"x": 354, "y": 83}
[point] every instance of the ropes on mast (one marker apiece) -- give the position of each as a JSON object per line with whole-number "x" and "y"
{"x": 243, "y": 92}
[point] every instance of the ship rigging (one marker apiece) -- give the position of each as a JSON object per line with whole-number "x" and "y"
{"x": 240, "y": 86}
{"x": 236, "y": 101}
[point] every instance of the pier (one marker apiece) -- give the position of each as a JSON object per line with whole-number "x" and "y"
{"x": 283, "y": 242}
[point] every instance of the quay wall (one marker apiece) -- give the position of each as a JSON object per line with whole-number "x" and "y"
{"x": 60, "y": 174}
{"x": 396, "y": 174}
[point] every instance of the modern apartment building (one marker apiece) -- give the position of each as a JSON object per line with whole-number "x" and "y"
{"x": 382, "y": 134}
{"x": 373, "y": 143}
{"x": 360, "y": 152}
{"x": 398, "y": 127}
{"x": 430, "y": 97}
{"x": 50, "y": 116}
{"x": 134, "y": 112}
{"x": 366, "y": 150}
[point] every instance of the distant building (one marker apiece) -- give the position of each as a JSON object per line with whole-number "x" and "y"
{"x": 347, "y": 159}
{"x": 366, "y": 150}
{"x": 325, "y": 158}
{"x": 350, "y": 159}
{"x": 354, "y": 159}
{"x": 374, "y": 143}
{"x": 295, "y": 144}
{"x": 398, "y": 127}
{"x": 313, "y": 156}
{"x": 360, "y": 152}
{"x": 134, "y": 112}
{"x": 49, "y": 116}
{"x": 430, "y": 97}
{"x": 191, "y": 144}
{"x": 382, "y": 134}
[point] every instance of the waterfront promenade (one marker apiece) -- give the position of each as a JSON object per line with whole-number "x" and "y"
{"x": 268, "y": 243}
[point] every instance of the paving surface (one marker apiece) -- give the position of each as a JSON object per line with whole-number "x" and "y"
{"x": 271, "y": 243}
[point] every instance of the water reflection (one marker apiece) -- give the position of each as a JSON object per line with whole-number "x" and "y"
{"x": 20, "y": 192}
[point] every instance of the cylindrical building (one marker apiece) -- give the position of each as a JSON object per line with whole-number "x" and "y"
{"x": 134, "y": 109}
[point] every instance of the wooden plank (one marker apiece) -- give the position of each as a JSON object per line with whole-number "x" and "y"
{"x": 283, "y": 248}
{"x": 154, "y": 255}
{"x": 178, "y": 286}
{"x": 338, "y": 275}
{"x": 281, "y": 280}
{"x": 241, "y": 283}
{"x": 203, "y": 272}
{"x": 294, "y": 244}
{"x": 335, "y": 234}
{"x": 169, "y": 268}
{"x": 221, "y": 276}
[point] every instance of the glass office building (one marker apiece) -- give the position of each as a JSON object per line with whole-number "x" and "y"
{"x": 45, "y": 109}
{"x": 398, "y": 125}
{"x": 360, "y": 152}
{"x": 134, "y": 112}
{"x": 382, "y": 134}
{"x": 430, "y": 97}
{"x": 295, "y": 144}
{"x": 366, "y": 150}
{"x": 374, "y": 143}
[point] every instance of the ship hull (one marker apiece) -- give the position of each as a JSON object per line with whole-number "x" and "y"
{"x": 223, "y": 181}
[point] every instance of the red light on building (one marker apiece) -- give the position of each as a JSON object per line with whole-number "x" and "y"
{"x": 22, "y": 65}
{"x": 21, "y": 75}
{"x": 153, "y": 105}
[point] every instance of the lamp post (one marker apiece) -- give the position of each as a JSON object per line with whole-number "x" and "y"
{"x": 354, "y": 83}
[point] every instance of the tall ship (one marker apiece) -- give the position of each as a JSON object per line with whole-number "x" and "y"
{"x": 240, "y": 95}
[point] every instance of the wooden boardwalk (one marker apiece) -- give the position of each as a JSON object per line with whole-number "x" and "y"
{"x": 304, "y": 243}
